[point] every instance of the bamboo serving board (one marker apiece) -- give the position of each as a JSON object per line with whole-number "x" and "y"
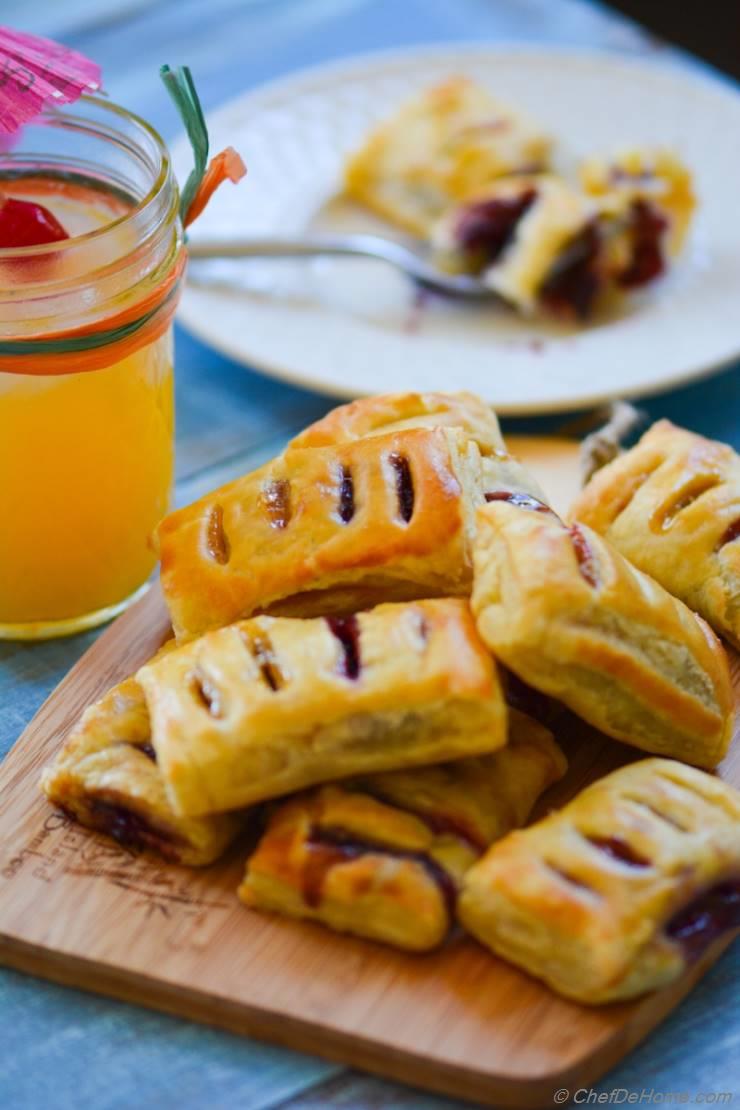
{"x": 78, "y": 909}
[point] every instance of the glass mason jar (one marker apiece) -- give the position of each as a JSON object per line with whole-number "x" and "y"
{"x": 86, "y": 371}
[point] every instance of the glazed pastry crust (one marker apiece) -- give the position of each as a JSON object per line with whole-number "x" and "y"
{"x": 600, "y": 636}
{"x": 273, "y": 705}
{"x": 440, "y": 147}
{"x": 106, "y": 778}
{"x": 331, "y": 530}
{"x": 585, "y": 898}
{"x": 669, "y": 505}
{"x": 399, "y": 843}
{"x": 402, "y": 412}
{"x": 399, "y": 412}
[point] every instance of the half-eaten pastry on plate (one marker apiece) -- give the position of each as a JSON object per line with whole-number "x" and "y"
{"x": 671, "y": 505}
{"x": 542, "y": 244}
{"x": 573, "y": 618}
{"x": 619, "y": 892}
{"x": 273, "y": 705}
{"x": 383, "y": 856}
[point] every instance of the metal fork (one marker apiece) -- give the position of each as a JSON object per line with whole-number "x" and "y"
{"x": 413, "y": 261}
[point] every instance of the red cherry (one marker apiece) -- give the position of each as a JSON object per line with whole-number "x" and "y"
{"x": 24, "y": 224}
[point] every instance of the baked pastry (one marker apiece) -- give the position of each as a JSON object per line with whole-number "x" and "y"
{"x": 399, "y": 412}
{"x": 540, "y": 243}
{"x": 533, "y": 239}
{"x": 651, "y": 193}
{"x": 273, "y": 705}
{"x": 619, "y": 892}
{"x": 331, "y": 530}
{"x": 571, "y": 617}
{"x": 672, "y": 506}
{"x": 384, "y": 857}
{"x": 442, "y": 145}
{"x": 106, "y": 776}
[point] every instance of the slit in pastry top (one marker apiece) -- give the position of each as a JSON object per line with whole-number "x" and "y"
{"x": 346, "y": 631}
{"x": 217, "y": 542}
{"x": 276, "y": 501}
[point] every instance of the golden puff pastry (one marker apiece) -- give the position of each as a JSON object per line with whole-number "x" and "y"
{"x": 571, "y": 617}
{"x": 331, "y": 530}
{"x": 672, "y": 506}
{"x": 657, "y": 186}
{"x": 619, "y": 892}
{"x": 399, "y": 412}
{"x": 442, "y": 145}
{"x": 533, "y": 239}
{"x": 106, "y": 776}
{"x": 383, "y": 857}
{"x": 272, "y": 705}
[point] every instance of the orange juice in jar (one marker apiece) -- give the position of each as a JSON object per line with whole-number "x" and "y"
{"x": 86, "y": 375}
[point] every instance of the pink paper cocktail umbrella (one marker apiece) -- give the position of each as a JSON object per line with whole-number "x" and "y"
{"x": 35, "y": 73}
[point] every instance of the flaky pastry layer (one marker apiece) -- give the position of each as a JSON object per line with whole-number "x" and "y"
{"x": 619, "y": 892}
{"x": 107, "y": 777}
{"x": 571, "y": 617}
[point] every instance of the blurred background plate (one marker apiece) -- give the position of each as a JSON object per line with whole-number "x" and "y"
{"x": 354, "y": 327}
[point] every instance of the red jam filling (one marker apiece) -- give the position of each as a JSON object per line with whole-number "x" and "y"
{"x": 705, "y": 919}
{"x": 404, "y": 486}
{"x": 571, "y": 287}
{"x": 620, "y": 850}
{"x": 25, "y": 224}
{"x": 129, "y": 829}
{"x": 484, "y": 229}
{"x": 647, "y": 231}
{"x": 584, "y": 555}
{"x": 731, "y": 534}
{"x": 148, "y": 751}
{"x": 329, "y": 847}
{"x": 347, "y": 632}
{"x": 346, "y": 496}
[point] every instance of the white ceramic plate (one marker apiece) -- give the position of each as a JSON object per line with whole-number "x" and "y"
{"x": 356, "y": 327}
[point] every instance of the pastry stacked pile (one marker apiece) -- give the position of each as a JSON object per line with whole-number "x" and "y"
{"x": 355, "y": 622}
{"x": 474, "y": 178}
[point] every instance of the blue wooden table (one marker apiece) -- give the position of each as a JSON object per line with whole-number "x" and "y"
{"x": 62, "y": 1049}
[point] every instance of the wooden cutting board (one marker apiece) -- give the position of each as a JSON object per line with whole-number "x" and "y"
{"x": 76, "y": 908}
